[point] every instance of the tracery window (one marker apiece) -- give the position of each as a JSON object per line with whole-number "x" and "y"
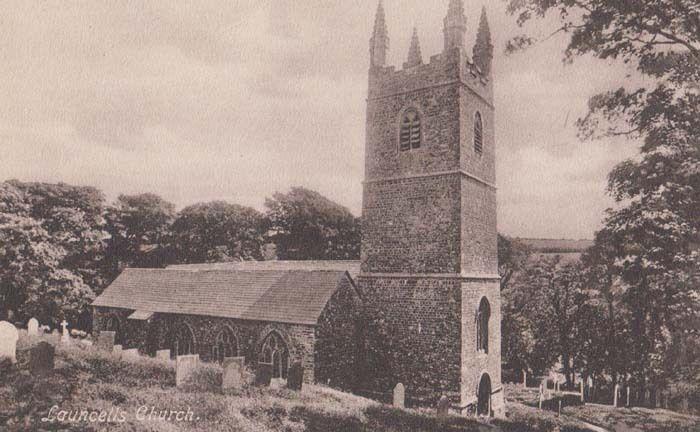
{"x": 225, "y": 345}
{"x": 275, "y": 352}
{"x": 478, "y": 133}
{"x": 410, "y": 137}
{"x": 182, "y": 341}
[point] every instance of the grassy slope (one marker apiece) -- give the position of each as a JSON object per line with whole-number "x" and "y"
{"x": 85, "y": 379}
{"x": 618, "y": 420}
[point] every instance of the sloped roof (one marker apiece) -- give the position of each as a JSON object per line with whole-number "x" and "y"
{"x": 352, "y": 267}
{"x": 296, "y": 297}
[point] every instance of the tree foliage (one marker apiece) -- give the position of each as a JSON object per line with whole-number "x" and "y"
{"x": 217, "y": 231}
{"x": 139, "y": 231}
{"x": 304, "y": 225}
{"x": 644, "y": 264}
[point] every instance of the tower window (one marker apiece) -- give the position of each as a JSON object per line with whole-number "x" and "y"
{"x": 478, "y": 133}
{"x": 482, "y": 326}
{"x": 410, "y": 130}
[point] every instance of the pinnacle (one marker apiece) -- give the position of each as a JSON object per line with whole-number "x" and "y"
{"x": 415, "y": 57}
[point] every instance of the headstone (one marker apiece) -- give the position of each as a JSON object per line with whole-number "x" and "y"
{"x": 86, "y": 342}
{"x": 263, "y": 374}
{"x": 33, "y": 327}
{"x": 185, "y": 367}
{"x": 117, "y": 350}
{"x": 628, "y": 396}
{"x": 130, "y": 353}
{"x": 8, "y": 341}
{"x": 163, "y": 354}
{"x": 443, "y": 407}
{"x": 617, "y": 390}
{"x": 41, "y": 358}
{"x": 295, "y": 376}
{"x": 541, "y": 396}
{"x": 105, "y": 340}
{"x": 524, "y": 378}
{"x": 65, "y": 336}
{"x": 233, "y": 373}
{"x": 399, "y": 396}
{"x": 583, "y": 397}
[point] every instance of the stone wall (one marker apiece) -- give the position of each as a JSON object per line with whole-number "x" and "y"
{"x": 413, "y": 336}
{"x": 151, "y": 336}
{"x": 338, "y": 339}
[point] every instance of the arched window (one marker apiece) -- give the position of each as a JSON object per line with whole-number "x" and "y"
{"x": 410, "y": 130}
{"x": 274, "y": 352}
{"x": 478, "y": 133}
{"x": 225, "y": 345}
{"x": 182, "y": 341}
{"x": 482, "y": 326}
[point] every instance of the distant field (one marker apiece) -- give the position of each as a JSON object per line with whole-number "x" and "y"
{"x": 557, "y": 245}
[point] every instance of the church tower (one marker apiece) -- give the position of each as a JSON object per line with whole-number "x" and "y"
{"x": 429, "y": 274}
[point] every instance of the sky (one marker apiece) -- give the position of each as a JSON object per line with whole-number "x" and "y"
{"x": 237, "y": 99}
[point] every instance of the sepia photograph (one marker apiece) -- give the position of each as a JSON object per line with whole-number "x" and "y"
{"x": 350, "y": 215}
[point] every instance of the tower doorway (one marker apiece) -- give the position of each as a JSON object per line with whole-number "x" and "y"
{"x": 483, "y": 407}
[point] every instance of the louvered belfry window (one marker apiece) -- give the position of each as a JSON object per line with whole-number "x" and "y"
{"x": 410, "y": 130}
{"x": 478, "y": 133}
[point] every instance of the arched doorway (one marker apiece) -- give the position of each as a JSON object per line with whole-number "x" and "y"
{"x": 483, "y": 407}
{"x": 275, "y": 352}
{"x": 225, "y": 345}
{"x": 181, "y": 340}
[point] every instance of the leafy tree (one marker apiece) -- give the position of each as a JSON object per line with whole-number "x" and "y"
{"x": 139, "y": 230}
{"x": 512, "y": 257}
{"x": 217, "y": 231}
{"x": 32, "y": 281}
{"x": 73, "y": 218}
{"x": 304, "y": 225}
{"x": 653, "y": 234}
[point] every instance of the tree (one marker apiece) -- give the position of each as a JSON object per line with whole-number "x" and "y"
{"x": 654, "y": 229}
{"x": 139, "y": 231}
{"x": 73, "y": 218}
{"x": 217, "y": 231}
{"x": 32, "y": 281}
{"x": 512, "y": 257}
{"x": 304, "y": 225}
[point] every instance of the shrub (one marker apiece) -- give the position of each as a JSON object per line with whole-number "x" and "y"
{"x": 207, "y": 377}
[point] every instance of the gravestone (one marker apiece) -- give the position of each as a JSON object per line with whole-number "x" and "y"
{"x": 399, "y": 396}
{"x": 33, "y": 327}
{"x": 263, "y": 374}
{"x": 163, "y": 354}
{"x": 130, "y": 353}
{"x": 617, "y": 391}
{"x": 443, "y": 407}
{"x": 117, "y": 349}
{"x": 105, "y": 340}
{"x": 8, "y": 341}
{"x": 185, "y": 367}
{"x": 65, "y": 336}
{"x": 295, "y": 376}
{"x": 41, "y": 358}
{"x": 233, "y": 373}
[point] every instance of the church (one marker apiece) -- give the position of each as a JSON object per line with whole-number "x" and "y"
{"x": 421, "y": 307}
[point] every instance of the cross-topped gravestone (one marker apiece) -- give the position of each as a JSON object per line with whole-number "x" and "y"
{"x": 399, "y": 396}
{"x": 295, "y": 376}
{"x": 65, "y": 336}
{"x": 163, "y": 354}
{"x": 33, "y": 327}
{"x": 8, "y": 341}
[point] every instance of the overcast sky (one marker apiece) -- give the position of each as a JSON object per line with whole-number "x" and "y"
{"x": 237, "y": 99}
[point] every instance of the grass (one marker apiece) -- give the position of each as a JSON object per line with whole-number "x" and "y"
{"x": 88, "y": 381}
{"x": 614, "y": 419}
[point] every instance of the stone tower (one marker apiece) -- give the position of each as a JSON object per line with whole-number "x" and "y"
{"x": 429, "y": 273}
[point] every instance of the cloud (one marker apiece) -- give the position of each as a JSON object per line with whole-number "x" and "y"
{"x": 236, "y": 100}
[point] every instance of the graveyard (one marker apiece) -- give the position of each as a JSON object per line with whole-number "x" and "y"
{"x": 77, "y": 384}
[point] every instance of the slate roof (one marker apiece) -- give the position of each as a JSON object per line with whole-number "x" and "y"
{"x": 288, "y": 296}
{"x": 352, "y": 267}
